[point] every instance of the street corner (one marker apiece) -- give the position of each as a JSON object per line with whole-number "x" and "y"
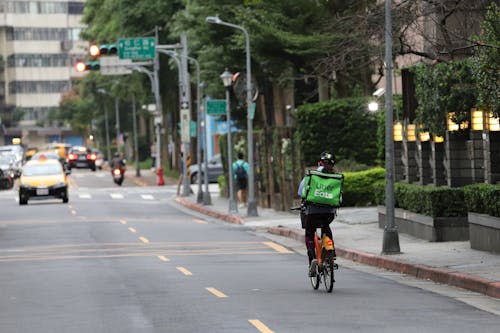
{"x": 207, "y": 211}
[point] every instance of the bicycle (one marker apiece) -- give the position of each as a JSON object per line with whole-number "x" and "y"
{"x": 324, "y": 265}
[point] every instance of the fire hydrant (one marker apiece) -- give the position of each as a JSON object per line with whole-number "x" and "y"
{"x": 159, "y": 173}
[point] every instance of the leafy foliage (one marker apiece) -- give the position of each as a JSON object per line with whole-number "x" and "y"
{"x": 483, "y": 198}
{"x": 486, "y": 62}
{"x": 343, "y": 126}
{"x": 441, "y": 89}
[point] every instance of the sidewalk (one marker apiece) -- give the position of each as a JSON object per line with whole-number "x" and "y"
{"x": 358, "y": 238}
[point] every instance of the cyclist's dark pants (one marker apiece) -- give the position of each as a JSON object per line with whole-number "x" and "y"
{"x": 314, "y": 221}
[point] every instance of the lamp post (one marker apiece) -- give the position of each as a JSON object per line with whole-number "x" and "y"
{"x": 252, "y": 204}
{"x": 391, "y": 239}
{"x": 207, "y": 200}
{"x": 108, "y": 149}
{"x": 227, "y": 80}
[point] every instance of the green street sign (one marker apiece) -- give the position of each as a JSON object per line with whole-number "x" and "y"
{"x": 216, "y": 107}
{"x": 141, "y": 48}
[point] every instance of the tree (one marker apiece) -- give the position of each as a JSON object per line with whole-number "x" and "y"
{"x": 486, "y": 62}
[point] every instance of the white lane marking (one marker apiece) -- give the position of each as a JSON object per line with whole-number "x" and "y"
{"x": 84, "y": 196}
{"x": 163, "y": 258}
{"x": 116, "y": 195}
{"x": 147, "y": 197}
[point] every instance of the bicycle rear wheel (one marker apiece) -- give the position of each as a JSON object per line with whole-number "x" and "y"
{"x": 315, "y": 280}
{"x": 329, "y": 275}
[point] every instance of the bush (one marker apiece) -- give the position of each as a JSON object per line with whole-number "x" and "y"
{"x": 341, "y": 125}
{"x": 483, "y": 199}
{"x": 359, "y": 187}
{"x": 427, "y": 200}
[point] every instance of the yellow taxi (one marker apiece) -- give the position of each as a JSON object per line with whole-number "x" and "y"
{"x": 42, "y": 179}
{"x": 61, "y": 147}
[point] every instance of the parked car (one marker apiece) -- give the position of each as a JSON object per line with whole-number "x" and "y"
{"x": 41, "y": 179}
{"x": 16, "y": 150}
{"x": 214, "y": 170}
{"x": 6, "y": 171}
{"x": 10, "y": 165}
{"x": 82, "y": 157}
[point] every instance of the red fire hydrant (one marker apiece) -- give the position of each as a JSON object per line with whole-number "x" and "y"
{"x": 159, "y": 173}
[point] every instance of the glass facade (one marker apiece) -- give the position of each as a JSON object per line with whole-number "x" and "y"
{"x": 41, "y": 7}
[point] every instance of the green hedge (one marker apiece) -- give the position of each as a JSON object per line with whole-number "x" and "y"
{"x": 359, "y": 187}
{"x": 426, "y": 200}
{"x": 483, "y": 198}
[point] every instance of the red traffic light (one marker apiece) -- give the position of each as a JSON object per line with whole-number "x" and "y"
{"x": 94, "y": 50}
{"x": 80, "y": 66}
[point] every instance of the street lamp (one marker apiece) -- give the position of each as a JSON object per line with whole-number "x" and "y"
{"x": 252, "y": 204}
{"x": 227, "y": 79}
{"x": 390, "y": 242}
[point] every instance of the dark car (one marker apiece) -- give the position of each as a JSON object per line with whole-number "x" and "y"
{"x": 214, "y": 170}
{"x": 82, "y": 157}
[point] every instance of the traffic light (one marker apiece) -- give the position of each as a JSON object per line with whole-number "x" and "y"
{"x": 83, "y": 66}
{"x": 108, "y": 49}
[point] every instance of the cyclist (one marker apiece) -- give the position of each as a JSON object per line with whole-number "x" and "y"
{"x": 316, "y": 216}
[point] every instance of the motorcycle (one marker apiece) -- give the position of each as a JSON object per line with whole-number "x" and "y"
{"x": 118, "y": 175}
{"x": 6, "y": 179}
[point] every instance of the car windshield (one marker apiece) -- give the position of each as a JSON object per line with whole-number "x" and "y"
{"x": 41, "y": 170}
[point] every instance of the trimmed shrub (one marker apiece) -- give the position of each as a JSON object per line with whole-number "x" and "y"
{"x": 426, "y": 200}
{"x": 359, "y": 187}
{"x": 483, "y": 198}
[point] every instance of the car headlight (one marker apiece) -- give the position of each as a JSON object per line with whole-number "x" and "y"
{"x": 60, "y": 184}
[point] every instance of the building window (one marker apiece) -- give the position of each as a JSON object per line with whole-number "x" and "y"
{"x": 75, "y": 8}
{"x": 38, "y": 87}
{"x": 37, "y": 33}
{"x": 37, "y": 60}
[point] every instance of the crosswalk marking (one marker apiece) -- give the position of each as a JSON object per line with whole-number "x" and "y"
{"x": 84, "y": 195}
{"x": 116, "y": 195}
{"x": 147, "y": 197}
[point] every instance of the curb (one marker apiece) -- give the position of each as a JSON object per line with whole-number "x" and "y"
{"x": 202, "y": 209}
{"x": 440, "y": 275}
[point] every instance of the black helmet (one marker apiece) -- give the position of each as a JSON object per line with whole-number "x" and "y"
{"x": 117, "y": 155}
{"x": 327, "y": 157}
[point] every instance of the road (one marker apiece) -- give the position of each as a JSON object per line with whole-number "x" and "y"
{"x": 129, "y": 259}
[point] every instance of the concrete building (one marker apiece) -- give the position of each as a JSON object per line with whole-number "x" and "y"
{"x": 39, "y": 43}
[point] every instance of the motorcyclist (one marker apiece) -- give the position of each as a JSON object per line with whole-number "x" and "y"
{"x": 117, "y": 162}
{"x": 314, "y": 216}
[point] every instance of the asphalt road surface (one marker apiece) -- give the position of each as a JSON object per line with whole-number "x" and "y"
{"x": 128, "y": 259}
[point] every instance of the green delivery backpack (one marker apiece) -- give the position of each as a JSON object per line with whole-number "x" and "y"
{"x": 323, "y": 188}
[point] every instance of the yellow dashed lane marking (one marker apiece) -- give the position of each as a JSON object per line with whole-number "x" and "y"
{"x": 132, "y": 230}
{"x": 260, "y": 326}
{"x": 216, "y": 292}
{"x": 123, "y": 222}
{"x": 183, "y": 270}
{"x": 277, "y": 247}
{"x": 163, "y": 258}
{"x": 200, "y": 221}
{"x": 144, "y": 240}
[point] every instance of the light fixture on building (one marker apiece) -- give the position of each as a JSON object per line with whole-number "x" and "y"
{"x": 410, "y": 133}
{"x": 493, "y": 124}
{"x": 424, "y": 136}
{"x": 398, "y": 131}
{"x": 438, "y": 139}
{"x": 477, "y": 120}
{"x": 16, "y": 141}
{"x": 452, "y": 126}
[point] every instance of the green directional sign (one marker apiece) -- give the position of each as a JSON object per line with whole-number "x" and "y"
{"x": 142, "y": 48}
{"x": 216, "y": 107}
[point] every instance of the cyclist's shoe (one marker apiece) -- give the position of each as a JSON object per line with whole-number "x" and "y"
{"x": 312, "y": 268}
{"x": 335, "y": 266}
